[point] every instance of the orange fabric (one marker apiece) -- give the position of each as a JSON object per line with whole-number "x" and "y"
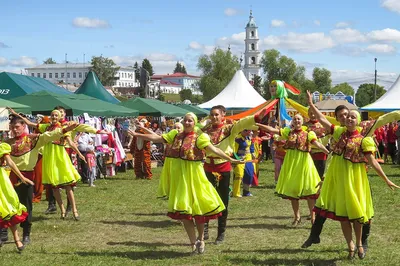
{"x": 142, "y": 159}
{"x": 269, "y": 105}
{"x": 38, "y": 189}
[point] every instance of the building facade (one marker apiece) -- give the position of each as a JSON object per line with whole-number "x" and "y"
{"x": 75, "y": 74}
{"x": 252, "y": 58}
{"x": 176, "y": 82}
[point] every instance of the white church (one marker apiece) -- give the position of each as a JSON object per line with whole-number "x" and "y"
{"x": 252, "y": 53}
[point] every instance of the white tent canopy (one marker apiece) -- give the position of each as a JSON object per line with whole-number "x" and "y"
{"x": 238, "y": 94}
{"x": 387, "y": 102}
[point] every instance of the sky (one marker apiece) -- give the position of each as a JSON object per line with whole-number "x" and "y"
{"x": 343, "y": 36}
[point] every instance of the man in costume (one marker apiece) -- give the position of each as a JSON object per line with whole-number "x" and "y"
{"x": 140, "y": 149}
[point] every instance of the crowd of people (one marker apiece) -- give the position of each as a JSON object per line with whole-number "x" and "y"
{"x": 315, "y": 160}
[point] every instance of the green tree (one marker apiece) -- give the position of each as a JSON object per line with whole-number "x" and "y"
{"x": 322, "y": 79}
{"x": 147, "y": 65}
{"x": 186, "y": 94}
{"x": 217, "y": 70}
{"x": 49, "y": 61}
{"x": 343, "y": 87}
{"x": 365, "y": 94}
{"x": 180, "y": 68}
{"x": 257, "y": 84}
{"x": 105, "y": 69}
{"x": 137, "y": 71}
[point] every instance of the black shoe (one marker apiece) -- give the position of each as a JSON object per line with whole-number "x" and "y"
{"x": 26, "y": 240}
{"x": 51, "y": 209}
{"x": 365, "y": 245}
{"x": 220, "y": 239}
{"x": 310, "y": 241}
{"x": 68, "y": 210}
{"x": 206, "y": 235}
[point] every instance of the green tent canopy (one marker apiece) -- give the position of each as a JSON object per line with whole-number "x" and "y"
{"x": 200, "y": 112}
{"x": 153, "y": 107}
{"x": 93, "y": 87}
{"x": 21, "y": 108}
{"x": 44, "y": 102}
{"x": 15, "y": 85}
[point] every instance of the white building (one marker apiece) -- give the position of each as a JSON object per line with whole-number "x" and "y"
{"x": 251, "y": 53}
{"x": 176, "y": 82}
{"x": 75, "y": 73}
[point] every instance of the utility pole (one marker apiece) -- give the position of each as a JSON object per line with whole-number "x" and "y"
{"x": 66, "y": 71}
{"x": 375, "y": 80}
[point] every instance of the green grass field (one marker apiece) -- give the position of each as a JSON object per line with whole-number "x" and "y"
{"x": 122, "y": 223}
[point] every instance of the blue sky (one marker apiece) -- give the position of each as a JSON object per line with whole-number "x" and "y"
{"x": 342, "y": 36}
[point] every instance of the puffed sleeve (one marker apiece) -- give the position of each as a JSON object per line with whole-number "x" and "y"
{"x": 311, "y": 136}
{"x": 337, "y": 132}
{"x": 169, "y": 137}
{"x": 4, "y": 149}
{"x": 368, "y": 145}
{"x": 203, "y": 141}
{"x": 285, "y": 133}
{"x": 42, "y": 127}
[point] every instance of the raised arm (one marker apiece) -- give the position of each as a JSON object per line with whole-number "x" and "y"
{"x": 75, "y": 148}
{"x": 268, "y": 128}
{"x": 377, "y": 167}
{"x": 150, "y": 137}
{"x": 14, "y": 168}
{"x": 321, "y": 118}
{"x": 27, "y": 121}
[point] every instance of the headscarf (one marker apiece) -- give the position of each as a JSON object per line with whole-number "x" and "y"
{"x": 194, "y": 117}
{"x": 56, "y": 111}
{"x": 358, "y": 116}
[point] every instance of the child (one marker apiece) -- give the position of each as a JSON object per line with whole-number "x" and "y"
{"x": 12, "y": 212}
{"x": 91, "y": 161}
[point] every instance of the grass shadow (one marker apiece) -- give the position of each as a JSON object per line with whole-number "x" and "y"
{"x": 266, "y": 226}
{"x": 144, "y": 244}
{"x": 148, "y": 224}
{"x": 43, "y": 218}
{"x": 139, "y": 255}
{"x": 254, "y": 261}
{"x": 150, "y": 214}
{"x": 280, "y": 251}
{"x": 262, "y": 217}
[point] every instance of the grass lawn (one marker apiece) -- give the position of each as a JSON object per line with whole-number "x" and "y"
{"x": 122, "y": 223}
{"x": 171, "y": 97}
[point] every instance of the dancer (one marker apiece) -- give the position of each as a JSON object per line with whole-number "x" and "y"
{"x": 346, "y": 194}
{"x": 218, "y": 170}
{"x": 12, "y": 212}
{"x": 279, "y": 155}
{"x": 191, "y": 195}
{"x": 24, "y": 152}
{"x": 298, "y": 177}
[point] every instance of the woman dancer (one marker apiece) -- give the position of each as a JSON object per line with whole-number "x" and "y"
{"x": 12, "y": 212}
{"x": 298, "y": 177}
{"x": 346, "y": 195}
{"x": 191, "y": 196}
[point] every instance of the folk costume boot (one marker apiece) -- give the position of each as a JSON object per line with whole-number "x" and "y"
{"x": 206, "y": 235}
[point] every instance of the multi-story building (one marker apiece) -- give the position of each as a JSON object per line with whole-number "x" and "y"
{"x": 75, "y": 74}
{"x": 252, "y": 66}
{"x": 176, "y": 82}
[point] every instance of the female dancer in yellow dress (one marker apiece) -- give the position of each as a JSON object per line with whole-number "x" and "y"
{"x": 58, "y": 171}
{"x": 12, "y": 212}
{"x": 345, "y": 194}
{"x": 191, "y": 196}
{"x": 298, "y": 177}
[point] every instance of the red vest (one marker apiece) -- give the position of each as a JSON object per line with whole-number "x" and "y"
{"x": 297, "y": 140}
{"x": 184, "y": 147}
{"x": 349, "y": 145}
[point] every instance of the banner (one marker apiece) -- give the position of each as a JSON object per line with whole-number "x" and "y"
{"x": 4, "y": 121}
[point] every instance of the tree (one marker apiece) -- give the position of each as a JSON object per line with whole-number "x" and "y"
{"x": 343, "y": 87}
{"x": 180, "y": 68}
{"x": 365, "y": 94}
{"x": 322, "y": 79}
{"x": 147, "y": 65}
{"x": 257, "y": 84}
{"x": 217, "y": 70}
{"x": 105, "y": 69}
{"x": 49, "y": 61}
{"x": 186, "y": 94}
{"x": 137, "y": 71}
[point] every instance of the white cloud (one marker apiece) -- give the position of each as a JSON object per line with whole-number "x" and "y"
{"x": 276, "y": 23}
{"x": 342, "y": 24}
{"x": 235, "y": 39}
{"x": 305, "y": 43}
{"x": 349, "y": 50}
{"x": 23, "y": 61}
{"x": 381, "y": 49}
{"x": 3, "y": 45}
{"x": 391, "y": 5}
{"x": 195, "y": 46}
{"x": 92, "y": 23}
{"x": 385, "y": 35}
{"x": 3, "y": 61}
{"x": 162, "y": 63}
{"x": 348, "y": 35}
{"x": 204, "y": 49}
{"x": 317, "y": 22}
{"x": 109, "y": 46}
{"x": 231, "y": 12}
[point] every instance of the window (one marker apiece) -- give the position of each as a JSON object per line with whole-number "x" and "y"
{"x": 252, "y": 46}
{"x": 252, "y": 34}
{"x": 32, "y": 74}
{"x": 38, "y": 75}
{"x": 50, "y": 75}
{"x": 80, "y": 75}
{"x": 44, "y": 75}
{"x": 56, "y": 75}
{"x": 62, "y": 75}
{"x": 253, "y": 60}
{"x": 74, "y": 75}
{"x": 68, "y": 75}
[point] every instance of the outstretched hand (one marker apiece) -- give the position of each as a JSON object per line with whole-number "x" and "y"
{"x": 319, "y": 186}
{"x": 391, "y": 185}
{"x": 71, "y": 126}
{"x": 309, "y": 97}
{"x": 12, "y": 111}
{"x": 234, "y": 161}
{"x": 26, "y": 181}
